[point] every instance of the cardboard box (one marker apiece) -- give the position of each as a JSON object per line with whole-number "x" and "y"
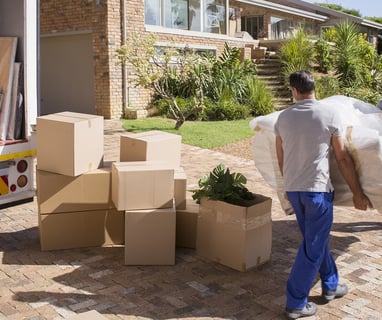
{"x": 69, "y": 143}
{"x": 142, "y": 185}
{"x": 151, "y": 146}
{"x": 60, "y": 193}
{"x": 180, "y": 188}
{"x": 89, "y": 315}
{"x": 186, "y": 225}
{"x": 81, "y": 229}
{"x": 238, "y": 237}
{"x": 150, "y": 237}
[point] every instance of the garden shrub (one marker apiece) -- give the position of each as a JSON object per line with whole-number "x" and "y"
{"x": 365, "y": 94}
{"x": 326, "y": 86}
{"x": 296, "y": 54}
{"x": 225, "y": 110}
{"x": 184, "y": 104}
{"x": 260, "y": 99}
{"x": 323, "y": 55}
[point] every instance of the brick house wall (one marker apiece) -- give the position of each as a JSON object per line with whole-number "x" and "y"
{"x": 103, "y": 18}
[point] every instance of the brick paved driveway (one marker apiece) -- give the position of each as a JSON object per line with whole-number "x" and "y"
{"x": 58, "y": 284}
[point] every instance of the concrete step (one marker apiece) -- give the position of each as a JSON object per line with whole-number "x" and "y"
{"x": 268, "y": 71}
{"x": 267, "y": 62}
{"x": 271, "y": 80}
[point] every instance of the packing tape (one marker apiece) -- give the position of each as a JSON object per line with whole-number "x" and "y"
{"x": 245, "y": 223}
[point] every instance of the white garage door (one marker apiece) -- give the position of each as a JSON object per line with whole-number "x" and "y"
{"x": 67, "y": 74}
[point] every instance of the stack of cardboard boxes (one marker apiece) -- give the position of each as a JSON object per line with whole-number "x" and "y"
{"x": 134, "y": 201}
{"x": 73, "y": 184}
{"x": 138, "y": 201}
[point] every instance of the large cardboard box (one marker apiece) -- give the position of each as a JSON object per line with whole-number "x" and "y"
{"x": 180, "y": 188}
{"x": 81, "y": 229}
{"x": 142, "y": 185}
{"x": 69, "y": 143}
{"x": 151, "y": 146}
{"x": 238, "y": 237}
{"x": 186, "y": 225}
{"x": 60, "y": 193}
{"x": 150, "y": 237}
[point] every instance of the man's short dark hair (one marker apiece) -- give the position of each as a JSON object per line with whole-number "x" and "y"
{"x": 302, "y": 81}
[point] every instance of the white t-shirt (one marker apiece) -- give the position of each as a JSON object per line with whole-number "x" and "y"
{"x": 306, "y": 129}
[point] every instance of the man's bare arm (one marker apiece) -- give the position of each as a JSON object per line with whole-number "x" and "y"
{"x": 348, "y": 171}
{"x": 280, "y": 153}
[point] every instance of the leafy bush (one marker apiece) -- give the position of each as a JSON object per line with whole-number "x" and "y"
{"x": 260, "y": 99}
{"x": 296, "y": 54}
{"x": 225, "y": 110}
{"x": 364, "y": 94}
{"x": 228, "y": 74}
{"x": 186, "y": 106}
{"x": 326, "y": 86}
{"x": 323, "y": 55}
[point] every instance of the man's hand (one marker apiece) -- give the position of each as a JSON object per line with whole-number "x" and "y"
{"x": 362, "y": 202}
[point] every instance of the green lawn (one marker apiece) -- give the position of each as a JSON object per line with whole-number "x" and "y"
{"x": 203, "y": 134}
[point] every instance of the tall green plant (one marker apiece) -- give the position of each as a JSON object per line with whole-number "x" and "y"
{"x": 260, "y": 99}
{"x": 346, "y": 58}
{"x": 356, "y": 60}
{"x": 296, "y": 54}
{"x": 228, "y": 76}
{"x": 323, "y": 55}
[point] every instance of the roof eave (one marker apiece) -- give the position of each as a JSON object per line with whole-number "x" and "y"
{"x": 282, "y": 8}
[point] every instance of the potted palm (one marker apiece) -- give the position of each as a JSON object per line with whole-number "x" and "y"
{"x": 234, "y": 225}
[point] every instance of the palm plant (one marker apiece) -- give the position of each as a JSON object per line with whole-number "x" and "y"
{"x": 228, "y": 75}
{"x": 346, "y": 53}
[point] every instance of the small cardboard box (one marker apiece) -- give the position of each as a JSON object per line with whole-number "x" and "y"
{"x": 180, "y": 188}
{"x": 150, "y": 237}
{"x": 69, "y": 143}
{"x": 238, "y": 237}
{"x": 81, "y": 229}
{"x": 60, "y": 193}
{"x": 142, "y": 185}
{"x": 151, "y": 146}
{"x": 186, "y": 225}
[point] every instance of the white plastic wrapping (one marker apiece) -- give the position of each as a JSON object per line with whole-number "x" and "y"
{"x": 362, "y": 136}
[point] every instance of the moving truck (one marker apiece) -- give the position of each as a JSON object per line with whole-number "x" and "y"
{"x": 19, "y": 99}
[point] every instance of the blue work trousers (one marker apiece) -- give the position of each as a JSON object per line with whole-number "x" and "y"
{"x": 314, "y": 214}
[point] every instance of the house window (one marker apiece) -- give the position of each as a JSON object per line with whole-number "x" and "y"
{"x": 195, "y": 15}
{"x": 153, "y": 12}
{"x": 281, "y": 28}
{"x": 254, "y": 26}
{"x": 215, "y": 16}
{"x": 176, "y": 14}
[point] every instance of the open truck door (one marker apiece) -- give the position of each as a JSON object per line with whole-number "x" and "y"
{"x": 19, "y": 99}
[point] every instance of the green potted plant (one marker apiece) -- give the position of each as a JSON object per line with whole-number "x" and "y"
{"x": 234, "y": 225}
{"x": 222, "y": 185}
